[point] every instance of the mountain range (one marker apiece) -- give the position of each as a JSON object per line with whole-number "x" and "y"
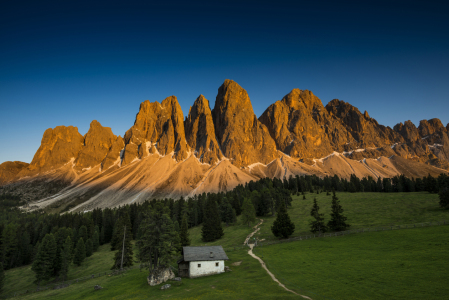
{"x": 166, "y": 155}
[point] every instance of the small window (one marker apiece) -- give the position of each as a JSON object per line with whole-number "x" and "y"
{"x": 199, "y": 265}
{"x": 216, "y": 264}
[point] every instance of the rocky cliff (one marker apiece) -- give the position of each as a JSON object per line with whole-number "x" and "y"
{"x": 58, "y": 147}
{"x": 158, "y": 127}
{"x": 97, "y": 142}
{"x": 243, "y": 139}
{"x": 10, "y": 169}
{"x": 200, "y": 132}
{"x": 163, "y": 155}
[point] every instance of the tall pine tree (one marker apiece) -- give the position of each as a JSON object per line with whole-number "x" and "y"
{"x": 248, "y": 212}
{"x": 282, "y": 227}
{"x": 124, "y": 243}
{"x": 89, "y": 248}
{"x": 158, "y": 240}
{"x": 2, "y": 277}
{"x": 211, "y": 229}
{"x": 43, "y": 264}
{"x": 318, "y": 224}
{"x": 80, "y": 252}
{"x": 184, "y": 232}
{"x": 66, "y": 258}
{"x": 338, "y": 220}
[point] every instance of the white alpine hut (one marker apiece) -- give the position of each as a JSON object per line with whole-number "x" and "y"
{"x": 201, "y": 261}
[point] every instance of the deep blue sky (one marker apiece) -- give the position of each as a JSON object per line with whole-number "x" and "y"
{"x": 67, "y": 63}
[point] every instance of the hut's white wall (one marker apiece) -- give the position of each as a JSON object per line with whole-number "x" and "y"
{"x": 207, "y": 268}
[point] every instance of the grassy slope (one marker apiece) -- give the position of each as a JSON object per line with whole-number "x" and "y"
{"x": 364, "y": 210}
{"x": 20, "y": 279}
{"x": 247, "y": 281}
{"x": 401, "y": 264}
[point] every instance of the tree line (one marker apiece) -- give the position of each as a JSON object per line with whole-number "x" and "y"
{"x": 71, "y": 237}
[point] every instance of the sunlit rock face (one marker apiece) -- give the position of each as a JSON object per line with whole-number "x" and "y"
{"x": 200, "y": 132}
{"x": 58, "y": 146}
{"x": 158, "y": 125}
{"x": 97, "y": 142}
{"x": 242, "y": 137}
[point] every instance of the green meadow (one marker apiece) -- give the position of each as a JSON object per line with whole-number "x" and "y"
{"x": 398, "y": 264}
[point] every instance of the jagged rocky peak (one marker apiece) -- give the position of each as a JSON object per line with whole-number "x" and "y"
{"x": 159, "y": 126}
{"x": 302, "y": 100}
{"x": 428, "y": 127}
{"x": 408, "y": 130}
{"x": 10, "y": 169}
{"x": 97, "y": 142}
{"x": 114, "y": 155}
{"x": 362, "y": 127}
{"x": 58, "y": 146}
{"x": 303, "y": 128}
{"x": 200, "y": 132}
{"x": 242, "y": 137}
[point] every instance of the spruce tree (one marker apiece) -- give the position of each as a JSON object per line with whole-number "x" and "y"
{"x": 128, "y": 253}
{"x": 95, "y": 241}
{"x": 184, "y": 233}
{"x": 2, "y": 277}
{"x": 282, "y": 226}
{"x": 82, "y": 233}
{"x": 211, "y": 229}
{"x": 248, "y": 212}
{"x": 89, "y": 248}
{"x": 318, "y": 224}
{"x": 43, "y": 263}
{"x": 80, "y": 252}
{"x": 444, "y": 197}
{"x": 117, "y": 236}
{"x": 338, "y": 220}
{"x": 159, "y": 241}
{"x": 66, "y": 258}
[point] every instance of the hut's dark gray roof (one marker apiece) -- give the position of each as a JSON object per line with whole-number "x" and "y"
{"x": 204, "y": 253}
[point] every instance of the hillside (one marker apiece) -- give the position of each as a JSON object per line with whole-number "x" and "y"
{"x": 167, "y": 155}
{"x": 374, "y": 265}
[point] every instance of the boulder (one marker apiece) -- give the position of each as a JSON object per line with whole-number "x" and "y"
{"x": 165, "y": 286}
{"x": 97, "y": 287}
{"x": 160, "y": 275}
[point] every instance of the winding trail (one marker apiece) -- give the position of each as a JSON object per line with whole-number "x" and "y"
{"x": 250, "y": 252}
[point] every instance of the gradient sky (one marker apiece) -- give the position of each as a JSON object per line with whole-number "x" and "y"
{"x": 70, "y": 62}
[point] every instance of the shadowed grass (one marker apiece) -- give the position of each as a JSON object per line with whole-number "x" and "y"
{"x": 247, "y": 281}
{"x": 401, "y": 264}
{"x": 363, "y": 210}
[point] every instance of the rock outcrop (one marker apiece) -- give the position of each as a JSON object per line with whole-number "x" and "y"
{"x": 408, "y": 131}
{"x": 97, "y": 142}
{"x": 158, "y": 125}
{"x": 10, "y": 169}
{"x": 243, "y": 139}
{"x": 363, "y": 129}
{"x": 114, "y": 154}
{"x": 429, "y": 127}
{"x": 58, "y": 147}
{"x": 303, "y": 128}
{"x": 200, "y": 132}
{"x": 160, "y": 275}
